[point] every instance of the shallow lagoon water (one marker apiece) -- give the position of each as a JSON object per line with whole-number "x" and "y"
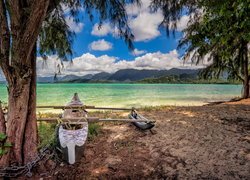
{"x": 136, "y": 95}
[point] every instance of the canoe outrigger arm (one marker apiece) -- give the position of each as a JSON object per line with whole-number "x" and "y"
{"x": 134, "y": 117}
{"x": 84, "y": 107}
{"x": 90, "y": 119}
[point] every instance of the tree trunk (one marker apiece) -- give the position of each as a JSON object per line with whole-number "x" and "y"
{"x": 17, "y": 60}
{"x": 246, "y": 88}
{"x": 31, "y": 135}
{"x": 2, "y": 129}
{"x": 21, "y": 120}
{"x": 2, "y": 121}
{"x": 249, "y": 84}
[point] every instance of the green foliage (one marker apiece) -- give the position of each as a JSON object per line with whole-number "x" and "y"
{"x": 157, "y": 108}
{"x": 173, "y": 11}
{"x": 46, "y": 132}
{"x": 180, "y": 80}
{"x": 221, "y": 35}
{"x": 3, "y": 144}
{"x": 113, "y": 11}
{"x": 94, "y": 129}
{"x": 55, "y": 36}
{"x": 217, "y": 31}
{"x": 2, "y": 137}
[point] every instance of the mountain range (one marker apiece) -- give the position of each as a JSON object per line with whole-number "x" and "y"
{"x": 124, "y": 75}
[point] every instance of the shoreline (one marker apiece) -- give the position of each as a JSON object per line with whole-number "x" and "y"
{"x": 145, "y": 108}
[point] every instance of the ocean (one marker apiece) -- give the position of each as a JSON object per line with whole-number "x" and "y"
{"x": 133, "y": 95}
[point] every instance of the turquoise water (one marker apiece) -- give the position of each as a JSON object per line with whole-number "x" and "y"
{"x": 137, "y": 95}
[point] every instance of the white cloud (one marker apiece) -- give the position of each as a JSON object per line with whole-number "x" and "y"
{"x": 90, "y": 64}
{"x": 144, "y": 23}
{"x": 66, "y": 9}
{"x": 104, "y": 30}
{"x": 85, "y": 64}
{"x": 48, "y": 67}
{"x": 74, "y": 26}
{"x": 100, "y": 45}
{"x": 155, "y": 60}
{"x": 137, "y": 52}
{"x": 182, "y": 23}
{"x": 133, "y": 9}
{"x": 145, "y": 26}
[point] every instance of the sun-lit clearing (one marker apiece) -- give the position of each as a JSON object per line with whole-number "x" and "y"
{"x": 99, "y": 170}
{"x": 119, "y": 132}
{"x": 187, "y": 113}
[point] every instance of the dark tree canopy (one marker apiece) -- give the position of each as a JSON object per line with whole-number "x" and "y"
{"x": 217, "y": 30}
{"x": 55, "y": 36}
{"x": 222, "y": 36}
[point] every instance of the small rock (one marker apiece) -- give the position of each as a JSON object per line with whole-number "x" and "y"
{"x": 248, "y": 157}
{"x": 113, "y": 161}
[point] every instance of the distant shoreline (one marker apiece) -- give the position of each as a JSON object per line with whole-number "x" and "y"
{"x": 223, "y": 83}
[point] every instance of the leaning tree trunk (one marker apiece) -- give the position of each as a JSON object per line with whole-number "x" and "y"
{"x": 21, "y": 120}
{"x": 246, "y": 88}
{"x": 20, "y": 24}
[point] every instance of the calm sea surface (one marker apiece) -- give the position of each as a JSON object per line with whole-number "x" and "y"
{"x": 137, "y": 95}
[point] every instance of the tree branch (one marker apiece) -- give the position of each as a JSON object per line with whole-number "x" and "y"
{"x": 15, "y": 18}
{"x": 235, "y": 72}
{"x": 4, "y": 35}
{"x": 32, "y": 27}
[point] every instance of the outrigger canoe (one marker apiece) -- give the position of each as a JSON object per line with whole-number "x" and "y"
{"x": 141, "y": 125}
{"x": 73, "y": 131}
{"x": 73, "y": 137}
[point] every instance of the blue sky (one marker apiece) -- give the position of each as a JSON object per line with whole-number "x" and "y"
{"x": 87, "y": 32}
{"x": 100, "y": 50}
{"x": 144, "y": 24}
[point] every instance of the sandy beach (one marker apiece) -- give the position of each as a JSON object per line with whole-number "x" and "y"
{"x": 201, "y": 142}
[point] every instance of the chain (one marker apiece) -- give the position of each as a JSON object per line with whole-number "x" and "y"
{"x": 14, "y": 171}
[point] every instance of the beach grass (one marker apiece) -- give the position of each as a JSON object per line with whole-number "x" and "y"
{"x": 94, "y": 129}
{"x": 47, "y": 131}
